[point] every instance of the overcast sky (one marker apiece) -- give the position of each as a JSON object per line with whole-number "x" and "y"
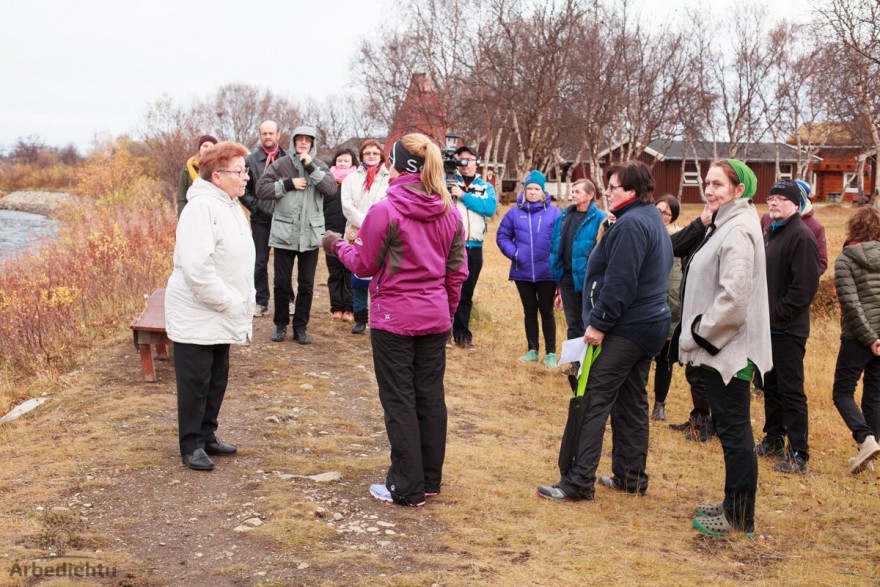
{"x": 72, "y": 68}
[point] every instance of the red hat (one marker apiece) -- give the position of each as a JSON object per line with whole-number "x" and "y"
{"x": 206, "y": 139}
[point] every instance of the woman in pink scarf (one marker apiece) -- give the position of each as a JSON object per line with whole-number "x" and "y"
{"x": 360, "y": 191}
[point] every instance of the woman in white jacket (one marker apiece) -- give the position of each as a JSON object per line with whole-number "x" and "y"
{"x": 209, "y": 300}
{"x": 360, "y": 191}
{"x": 725, "y": 330}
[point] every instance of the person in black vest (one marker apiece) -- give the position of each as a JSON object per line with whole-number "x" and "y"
{"x": 792, "y": 280}
{"x": 261, "y": 210}
{"x": 345, "y": 162}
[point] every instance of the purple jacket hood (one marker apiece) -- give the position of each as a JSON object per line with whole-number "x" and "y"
{"x": 414, "y": 250}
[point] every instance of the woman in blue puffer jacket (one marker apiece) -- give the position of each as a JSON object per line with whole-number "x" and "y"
{"x": 524, "y": 237}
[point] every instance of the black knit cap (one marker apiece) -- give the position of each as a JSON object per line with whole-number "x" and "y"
{"x": 789, "y": 189}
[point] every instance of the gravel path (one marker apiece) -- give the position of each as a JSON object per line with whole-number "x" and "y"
{"x": 46, "y": 203}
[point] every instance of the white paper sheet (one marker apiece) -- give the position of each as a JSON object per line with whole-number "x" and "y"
{"x": 574, "y": 350}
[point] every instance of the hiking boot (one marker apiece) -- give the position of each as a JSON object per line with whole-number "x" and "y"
{"x": 769, "y": 448}
{"x": 359, "y": 328}
{"x": 703, "y": 434}
{"x": 467, "y": 345}
{"x": 710, "y": 511}
{"x": 261, "y": 311}
{"x": 659, "y": 411}
{"x": 552, "y": 493}
{"x": 279, "y": 335}
{"x": 793, "y": 464}
{"x": 716, "y": 526}
{"x": 683, "y": 426}
{"x": 618, "y": 485}
{"x": 550, "y": 360}
{"x": 530, "y": 357}
{"x": 301, "y": 336}
{"x": 868, "y": 451}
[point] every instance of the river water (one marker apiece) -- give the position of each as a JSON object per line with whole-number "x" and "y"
{"x": 22, "y": 231}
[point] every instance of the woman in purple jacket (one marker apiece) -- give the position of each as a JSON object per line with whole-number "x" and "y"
{"x": 524, "y": 237}
{"x": 412, "y": 245}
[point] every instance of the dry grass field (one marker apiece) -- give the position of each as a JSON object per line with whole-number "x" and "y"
{"x": 98, "y": 466}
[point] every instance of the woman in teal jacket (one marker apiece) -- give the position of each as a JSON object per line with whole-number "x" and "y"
{"x": 574, "y": 234}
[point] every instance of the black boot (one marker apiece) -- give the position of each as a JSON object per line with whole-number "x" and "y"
{"x": 301, "y": 336}
{"x": 279, "y": 334}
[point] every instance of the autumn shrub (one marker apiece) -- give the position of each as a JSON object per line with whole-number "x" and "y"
{"x": 111, "y": 249}
{"x": 20, "y": 176}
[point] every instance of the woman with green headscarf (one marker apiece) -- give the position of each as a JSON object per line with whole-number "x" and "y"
{"x": 726, "y": 332}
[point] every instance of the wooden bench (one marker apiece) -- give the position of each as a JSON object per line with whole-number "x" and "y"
{"x": 148, "y": 330}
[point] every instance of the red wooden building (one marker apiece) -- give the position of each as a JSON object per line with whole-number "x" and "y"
{"x": 676, "y": 172}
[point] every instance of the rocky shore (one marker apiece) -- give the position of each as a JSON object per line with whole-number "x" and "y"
{"x": 46, "y": 203}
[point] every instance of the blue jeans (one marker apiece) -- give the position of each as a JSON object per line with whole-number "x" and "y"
{"x": 360, "y": 294}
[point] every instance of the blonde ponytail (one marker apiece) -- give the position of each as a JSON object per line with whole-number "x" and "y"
{"x": 433, "y": 177}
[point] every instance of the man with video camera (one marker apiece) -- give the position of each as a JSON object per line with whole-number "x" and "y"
{"x": 476, "y": 202}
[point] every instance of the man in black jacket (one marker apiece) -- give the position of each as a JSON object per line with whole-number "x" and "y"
{"x": 699, "y": 424}
{"x": 261, "y": 210}
{"x": 792, "y": 280}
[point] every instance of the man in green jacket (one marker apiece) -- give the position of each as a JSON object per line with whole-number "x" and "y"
{"x": 298, "y": 183}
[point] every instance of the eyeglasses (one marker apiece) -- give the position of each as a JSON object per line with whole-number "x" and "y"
{"x": 665, "y": 212}
{"x": 776, "y": 199}
{"x": 238, "y": 172}
{"x": 465, "y": 161}
{"x": 611, "y": 187}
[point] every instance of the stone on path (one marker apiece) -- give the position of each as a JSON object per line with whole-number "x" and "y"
{"x": 23, "y": 408}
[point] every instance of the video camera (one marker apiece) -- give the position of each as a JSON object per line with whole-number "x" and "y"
{"x": 451, "y": 163}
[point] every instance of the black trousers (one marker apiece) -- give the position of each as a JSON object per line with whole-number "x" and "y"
{"x": 339, "y": 285}
{"x": 730, "y": 414}
{"x": 701, "y": 415}
{"x": 260, "y": 234}
{"x": 538, "y": 297}
{"x": 853, "y": 359}
{"x": 202, "y": 372}
{"x": 572, "y": 305}
{"x": 617, "y": 387}
{"x": 462, "y": 320}
{"x": 662, "y": 373}
{"x": 305, "y": 286}
{"x": 785, "y": 402}
{"x": 409, "y": 372}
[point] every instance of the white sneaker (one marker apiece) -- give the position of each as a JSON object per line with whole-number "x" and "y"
{"x": 870, "y": 466}
{"x": 868, "y": 451}
{"x": 261, "y": 311}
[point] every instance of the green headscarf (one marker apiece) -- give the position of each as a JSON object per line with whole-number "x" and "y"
{"x": 746, "y": 177}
